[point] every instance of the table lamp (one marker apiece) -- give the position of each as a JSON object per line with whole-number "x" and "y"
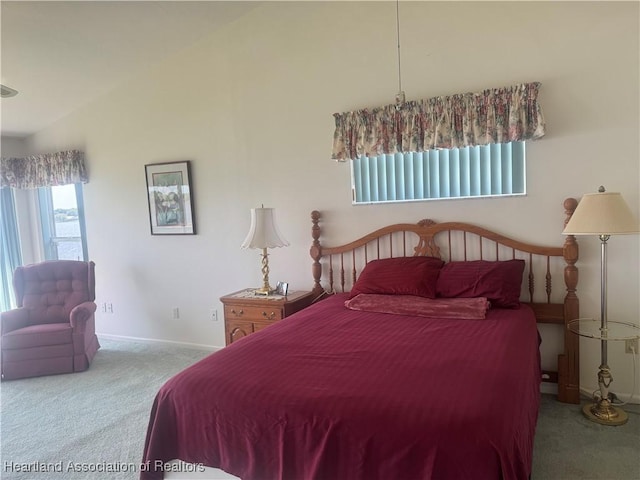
{"x": 264, "y": 234}
{"x": 603, "y": 214}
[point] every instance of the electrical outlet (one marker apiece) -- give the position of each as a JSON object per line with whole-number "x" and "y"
{"x": 176, "y": 313}
{"x": 213, "y": 315}
{"x": 631, "y": 346}
{"x": 106, "y": 307}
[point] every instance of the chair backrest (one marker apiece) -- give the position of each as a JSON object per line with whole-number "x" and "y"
{"x": 51, "y": 289}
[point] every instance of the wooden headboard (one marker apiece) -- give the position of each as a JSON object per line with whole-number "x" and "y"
{"x": 338, "y": 267}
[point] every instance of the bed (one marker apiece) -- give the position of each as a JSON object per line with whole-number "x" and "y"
{"x": 420, "y": 360}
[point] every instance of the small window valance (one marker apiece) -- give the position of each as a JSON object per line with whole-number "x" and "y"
{"x": 45, "y": 170}
{"x": 497, "y": 115}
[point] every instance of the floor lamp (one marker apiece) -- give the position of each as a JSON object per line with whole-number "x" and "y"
{"x": 602, "y": 214}
{"x": 264, "y": 234}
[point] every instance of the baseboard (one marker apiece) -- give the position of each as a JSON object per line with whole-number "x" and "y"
{"x": 195, "y": 346}
{"x": 623, "y": 397}
{"x": 549, "y": 388}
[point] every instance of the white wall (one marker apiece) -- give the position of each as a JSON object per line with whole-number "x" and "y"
{"x": 12, "y": 147}
{"x": 252, "y": 107}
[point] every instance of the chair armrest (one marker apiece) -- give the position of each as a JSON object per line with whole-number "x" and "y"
{"x": 13, "y": 320}
{"x": 80, "y": 314}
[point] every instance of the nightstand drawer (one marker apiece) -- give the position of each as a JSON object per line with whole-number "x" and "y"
{"x": 235, "y": 330}
{"x": 246, "y": 313}
{"x": 243, "y": 312}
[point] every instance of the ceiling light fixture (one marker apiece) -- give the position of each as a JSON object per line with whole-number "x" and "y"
{"x": 6, "y": 92}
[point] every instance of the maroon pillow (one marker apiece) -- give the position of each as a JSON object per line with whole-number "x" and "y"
{"x": 399, "y": 276}
{"x": 499, "y": 281}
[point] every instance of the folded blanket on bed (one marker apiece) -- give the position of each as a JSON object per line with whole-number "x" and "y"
{"x": 463, "y": 308}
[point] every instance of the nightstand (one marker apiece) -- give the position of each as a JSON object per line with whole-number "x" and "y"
{"x": 246, "y": 313}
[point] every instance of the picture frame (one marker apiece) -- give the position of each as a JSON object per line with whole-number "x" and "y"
{"x": 282, "y": 288}
{"x": 170, "y": 198}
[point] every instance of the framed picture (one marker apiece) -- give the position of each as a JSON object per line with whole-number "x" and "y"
{"x": 170, "y": 198}
{"x": 282, "y": 288}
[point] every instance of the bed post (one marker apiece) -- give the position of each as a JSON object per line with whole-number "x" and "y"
{"x": 316, "y": 253}
{"x": 569, "y": 362}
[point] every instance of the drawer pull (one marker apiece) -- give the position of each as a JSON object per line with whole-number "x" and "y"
{"x": 269, "y": 316}
{"x": 237, "y": 314}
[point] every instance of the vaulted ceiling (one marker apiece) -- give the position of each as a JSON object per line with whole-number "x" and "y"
{"x": 60, "y": 56}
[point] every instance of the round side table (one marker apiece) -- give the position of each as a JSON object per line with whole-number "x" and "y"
{"x": 602, "y": 410}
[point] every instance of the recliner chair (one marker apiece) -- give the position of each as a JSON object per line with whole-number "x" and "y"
{"x": 53, "y": 329}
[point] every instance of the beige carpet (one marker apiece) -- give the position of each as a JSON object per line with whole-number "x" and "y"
{"x": 97, "y": 420}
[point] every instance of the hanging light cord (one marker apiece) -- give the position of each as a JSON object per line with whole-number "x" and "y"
{"x": 398, "y": 32}
{"x": 400, "y": 95}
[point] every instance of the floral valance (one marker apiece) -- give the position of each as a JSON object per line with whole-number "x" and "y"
{"x": 497, "y": 115}
{"x": 44, "y": 170}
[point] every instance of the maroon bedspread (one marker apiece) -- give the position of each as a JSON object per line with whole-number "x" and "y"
{"x": 336, "y": 394}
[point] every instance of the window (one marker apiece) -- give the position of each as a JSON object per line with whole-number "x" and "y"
{"x": 480, "y": 171}
{"x": 62, "y": 220}
{"x": 10, "y": 254}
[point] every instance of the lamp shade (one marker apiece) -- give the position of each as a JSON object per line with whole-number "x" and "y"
{"x": 603, "y": 213}
{"x": 264, "y": 232}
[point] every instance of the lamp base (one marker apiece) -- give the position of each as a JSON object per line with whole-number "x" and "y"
{"x": 604, "y": 413}
{"x": 263, "y": 291}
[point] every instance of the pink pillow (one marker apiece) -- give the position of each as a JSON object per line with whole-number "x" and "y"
{"x": 499, "y": 281}
{"x": 399, "y": 276}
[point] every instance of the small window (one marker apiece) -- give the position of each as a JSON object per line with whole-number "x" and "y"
{"x": 10, "y": 252}
{"x": 62, "y": 219}
{"x": 480, "y": 171}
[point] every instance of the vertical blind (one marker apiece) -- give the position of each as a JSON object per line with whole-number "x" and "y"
{"x": 10, "y": 254}
{"x": 479, "y": 171}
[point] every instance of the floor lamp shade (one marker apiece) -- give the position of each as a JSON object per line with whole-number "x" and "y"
{"x": 264, "y": 234}
{"x": 603, "y": 213}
